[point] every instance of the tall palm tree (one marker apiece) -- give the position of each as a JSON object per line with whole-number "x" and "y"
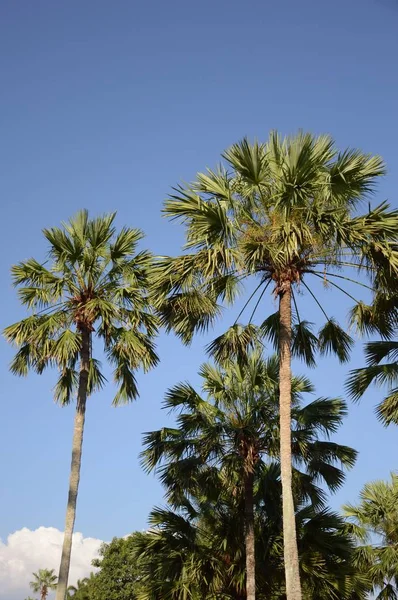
{"x": 43, "y": 582}
{"x": 278, "y": 212}
{"x": 94, "y": 284}
{"x": 375, "y": 523}
{"x": 230, "y": 433}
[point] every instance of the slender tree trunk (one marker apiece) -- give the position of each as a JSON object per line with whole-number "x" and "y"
{"x": 292, "y": 574}
{"x": 249, "y": 539}
{"x": 77, "y": 444}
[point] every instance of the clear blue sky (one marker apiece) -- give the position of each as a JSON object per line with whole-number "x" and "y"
{"x": 106, "y": 105}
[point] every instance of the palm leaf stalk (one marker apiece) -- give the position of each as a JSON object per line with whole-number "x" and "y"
{"x": 94, "y": 285}
{"x": 278, "y": 212}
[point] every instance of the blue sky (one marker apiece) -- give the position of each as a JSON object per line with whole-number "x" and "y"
{"x": 107, "y": 106}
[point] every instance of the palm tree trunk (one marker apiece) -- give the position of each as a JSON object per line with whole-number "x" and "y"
{"x": 292, "y": 574}
{"x": 249, "y": 539}
{"x": 77, "y": 444}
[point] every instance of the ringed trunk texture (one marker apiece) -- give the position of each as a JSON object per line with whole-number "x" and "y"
{"x": 249, "y": 539}
{"x": 292, "y": 573}
{"x": 77, "y": 444}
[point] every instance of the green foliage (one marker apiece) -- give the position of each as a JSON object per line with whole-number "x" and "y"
{"x": 379, "y": 373}
{"x": 236, "y": 427}
{"x": 285, "y": 210}
{"x": 94, "y": 281}
{"x": 117, "y": 577}
{"x": 195, "y": 547}
{"x": 197, "y": 550}
{"x": 375, "y": 523}
{"x": 80, "y": 591}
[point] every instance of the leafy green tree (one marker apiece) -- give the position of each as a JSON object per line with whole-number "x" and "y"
{"x": 43, "y": 582}
{"x": 233, "y": 432}
{"x": 280, "y": 213}
{"x": 94, "y": 284}
{"x": 375, "y": 523}
{"x": 118, "y": 575}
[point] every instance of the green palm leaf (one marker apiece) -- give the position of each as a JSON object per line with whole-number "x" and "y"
{"x": 333, "y": 339}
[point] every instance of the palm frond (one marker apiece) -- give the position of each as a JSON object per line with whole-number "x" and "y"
{"x": 305, "y": 343}
{"x": 126, "y": 381}
{"x": 333, "y": 339}
{"x": 323, "y": 414}
{"x": 188, "y": 313}
{"x": 66, "y": 386}
{"x": 360, "y": 379}
{"x": 125, "y": 244}
{"x": 375, "y": 352}
{"x": 387, "y": 409}
{"x": 234, "y": 344}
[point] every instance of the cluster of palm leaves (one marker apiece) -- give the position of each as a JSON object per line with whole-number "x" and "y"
{"x": 277, "y": 216}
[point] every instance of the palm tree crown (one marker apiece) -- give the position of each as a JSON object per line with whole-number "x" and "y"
{"x": 96, "y": 283}
{"x": 234, "y": 429}
{"x": 43, "y": 582}
{"x": 281, "y": 212}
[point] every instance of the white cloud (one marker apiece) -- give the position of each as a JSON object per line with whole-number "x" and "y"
{"x": 26, "y": 551}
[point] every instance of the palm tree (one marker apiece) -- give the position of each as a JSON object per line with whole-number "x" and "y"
{"x": 375, "y": 520}
{"x": 43, "y": 582}
{"x": 94, "y": 283}
{"x": 231, "y": 432}
{"x": 279, "y": 212}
